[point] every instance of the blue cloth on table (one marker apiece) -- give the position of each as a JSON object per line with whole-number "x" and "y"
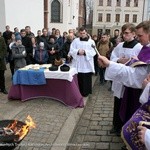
{"x": 29, "y": 77}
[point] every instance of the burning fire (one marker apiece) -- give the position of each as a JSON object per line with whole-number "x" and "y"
{"x": 21, "y": 131}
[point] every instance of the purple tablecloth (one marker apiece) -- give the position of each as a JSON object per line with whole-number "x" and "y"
{"x": 61, "y": 90}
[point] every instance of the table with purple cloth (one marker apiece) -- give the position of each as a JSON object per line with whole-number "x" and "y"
{"x": 61, "y": 86}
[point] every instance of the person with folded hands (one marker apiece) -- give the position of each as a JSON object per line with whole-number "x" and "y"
{"x": 19, "y": 55}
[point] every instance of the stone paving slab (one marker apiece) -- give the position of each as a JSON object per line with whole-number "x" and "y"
{"x": 62, "y": 128}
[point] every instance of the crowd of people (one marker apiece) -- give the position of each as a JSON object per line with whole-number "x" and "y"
{"x": 123, "y": 60}
{"x": 24, "y": 48}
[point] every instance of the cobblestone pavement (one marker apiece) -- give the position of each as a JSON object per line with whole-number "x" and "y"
{"x": 50, "y": 116}
{"x": 92, "y": 130}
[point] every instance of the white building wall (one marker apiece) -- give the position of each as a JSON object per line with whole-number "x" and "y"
{"x": 146, "y": 10}
{"x": 70, "y": 8}
{"x": 113, "y": 10}
{"x": 148, "y": 13}
{"x": 2, "y": 16}
{"x": 20, "y": 13}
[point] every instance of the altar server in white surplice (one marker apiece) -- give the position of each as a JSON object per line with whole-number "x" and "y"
{"x": 83, "y": 54}
{"x": 127, "y": 75}
{"x": 121, "y": 54}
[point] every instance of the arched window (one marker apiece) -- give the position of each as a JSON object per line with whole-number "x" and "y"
{"x": 55, "y": 11}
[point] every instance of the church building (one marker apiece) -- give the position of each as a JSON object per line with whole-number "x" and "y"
{"x": 60, "y": 14}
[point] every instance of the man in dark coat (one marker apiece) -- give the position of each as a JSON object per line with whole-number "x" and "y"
{"x": 44, "y": 37}
{"x": 26, "y": 41}
{"x": 7, "y": 35}
{"x": 66, "y": 47}
{"x": 3, "y": 52}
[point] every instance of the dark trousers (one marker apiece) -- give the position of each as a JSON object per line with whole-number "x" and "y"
{"x": 85, "y": 83}
{"x": 102, "y": 73}
{"x": 2, "y": 80}
{"x": 29, "y": 59}
{"x": 12, "y": 67}
{"x": 96, "y": 64}
{"x": 117, "y": 123}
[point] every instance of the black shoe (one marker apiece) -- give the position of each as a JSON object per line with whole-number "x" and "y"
{"x": 124, "y": 148}
{"x": 101, "y": 83}
{"x": 85, "y": 95}
{"x": 109, "y": 89}
{"x": 4, "y": 91}
{"x": 118, "y": 133}
{"x": 113, "y": 130}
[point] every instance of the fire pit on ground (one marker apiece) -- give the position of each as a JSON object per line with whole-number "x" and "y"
{"x": 12, "y": 132}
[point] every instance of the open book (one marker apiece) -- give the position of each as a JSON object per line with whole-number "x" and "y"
{"x": 135, "y": 62}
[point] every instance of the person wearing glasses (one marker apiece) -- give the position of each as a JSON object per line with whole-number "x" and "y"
{"x": 121, "y": 54}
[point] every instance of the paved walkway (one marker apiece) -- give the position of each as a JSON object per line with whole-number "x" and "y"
{"x": 92, "y": 130}
{"x": 56, "y": 122}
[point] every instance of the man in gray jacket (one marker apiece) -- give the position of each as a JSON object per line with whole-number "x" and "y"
{"x": 19, "y": 54}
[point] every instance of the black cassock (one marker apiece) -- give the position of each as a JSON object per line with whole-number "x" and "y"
{"x": 85, "y": 83}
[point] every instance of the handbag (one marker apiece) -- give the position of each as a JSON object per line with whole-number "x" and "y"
{"x": 58, "y": 62}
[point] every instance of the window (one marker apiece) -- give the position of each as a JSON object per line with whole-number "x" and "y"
{"x": 108, "y": 2}
{"x": 100, "y": 17}
{"x": 108, "y": 17}
{"x": 127, "y": 3}
{"x": 126, "y": 17}
{"x": 118, "y": 2}
{"x": 100, "y": 2}
{"x": 134, "y": 18}
{"x": 135, "y": 3}
{"x": 107, "y": 31}
{"x": 117, "y": 17}
{"x": 55, "y": 11}
{"x": 99, "y": 32}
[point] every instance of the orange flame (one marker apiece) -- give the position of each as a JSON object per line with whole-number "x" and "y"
{"x": 21, "y": 132}
{"x": 25, "y": 128}
{"x": 13, "y": 126}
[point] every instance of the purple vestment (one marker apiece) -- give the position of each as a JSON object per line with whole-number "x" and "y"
{"x": 130, "y": 101}
{"x": 144, "y": 54}
{"x": 129, "y": 130}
